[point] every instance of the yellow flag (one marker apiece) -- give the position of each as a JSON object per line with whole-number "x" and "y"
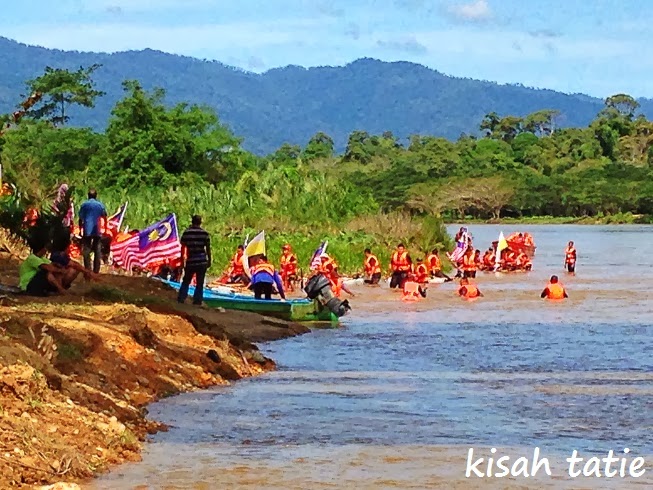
{"x": 255, "y": 247}
{"x": 503, "y": 244}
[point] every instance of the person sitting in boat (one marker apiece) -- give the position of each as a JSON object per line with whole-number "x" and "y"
{"x": 434, "y": 265}
{"x": 400, "y": 266}
{"x": 523, "y": 262}
{"x": 236, "y": 269}
{"x": 489, "y": 259}
{"x": 467, "y": 290}
{"x": 372, "y": 268}
{"x": 288, "y": 264}
{"x": 478, "y": 260}
{"x": 509, "y": 260}
{"x": 554, "y": 290}
{"x": 264, "y": 278}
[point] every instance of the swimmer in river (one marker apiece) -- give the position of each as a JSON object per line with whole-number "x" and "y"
{"x": 554, "y": 290}
{"x": 468, "y": 290}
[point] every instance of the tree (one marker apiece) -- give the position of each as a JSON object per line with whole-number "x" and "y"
{"x": 635, "y": 147}
{"x": 148, "y": 144}
{"x": 521, "y": 144}
{"x": 61, "y": 88}
{"x": 490, "y": 123}
{"x": 491, "y": 194}
{"x": 320, "y": 146}
{"x": 358, "y": 147}
{"x": 35, "y": 154}
{"x": 509, "y": 127}
{"x": 287, "y": 153}
{"x": 624, "y": 104}
{"x": 541, "y": 123}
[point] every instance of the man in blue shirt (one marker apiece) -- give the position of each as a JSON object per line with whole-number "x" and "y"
{"x": 92, "y": 214}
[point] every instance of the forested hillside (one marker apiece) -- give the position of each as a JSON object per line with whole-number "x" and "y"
{"x": 291, "y": 104}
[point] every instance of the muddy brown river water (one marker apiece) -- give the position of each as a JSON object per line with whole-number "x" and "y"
{"x": 397, "y": 397}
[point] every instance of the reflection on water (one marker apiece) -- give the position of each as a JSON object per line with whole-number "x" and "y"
{"x": 396, "y": 397}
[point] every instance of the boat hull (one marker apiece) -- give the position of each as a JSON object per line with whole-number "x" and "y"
{"x": 297, "y": 310}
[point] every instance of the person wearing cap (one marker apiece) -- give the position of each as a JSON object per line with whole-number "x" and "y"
{"x": 288, "y": 264}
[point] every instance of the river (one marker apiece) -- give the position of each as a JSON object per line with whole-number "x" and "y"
{"x": 397, "y": 397}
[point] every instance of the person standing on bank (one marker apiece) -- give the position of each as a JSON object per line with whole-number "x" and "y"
{"x": 195, "y": 259}
{"x": 91, "y": 214}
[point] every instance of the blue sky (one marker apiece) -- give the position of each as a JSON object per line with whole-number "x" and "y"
{"x": 598, "y": 47}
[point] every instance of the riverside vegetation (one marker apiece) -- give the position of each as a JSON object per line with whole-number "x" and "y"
{"x": 182, "y": 159}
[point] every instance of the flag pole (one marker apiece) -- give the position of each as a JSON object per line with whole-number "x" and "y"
{"x": 122, "y": 215}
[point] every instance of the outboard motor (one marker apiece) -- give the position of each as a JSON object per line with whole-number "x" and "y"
{"x": 318, "y": 287}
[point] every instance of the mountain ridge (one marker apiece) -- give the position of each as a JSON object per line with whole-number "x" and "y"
{"x": 289, "y": 104}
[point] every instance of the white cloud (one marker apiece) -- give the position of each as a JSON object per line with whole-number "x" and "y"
{"x": 476, "y": 11}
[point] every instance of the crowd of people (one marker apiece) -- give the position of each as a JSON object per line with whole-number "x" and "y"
{"x": 411, "y": 277}
{"x": 87, "y": 237}
{"x": 39, "y": 275}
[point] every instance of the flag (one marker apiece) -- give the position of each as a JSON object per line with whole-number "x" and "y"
{"x": 457, "y": 255}
{"x": 461, "y": 247}
{"x": 501, "y": 246}
{"x": 114, "y": 222}
{"x": 253, "y": 248}
{"x": 315, "y": 260}
{"x": 152, "y": 245}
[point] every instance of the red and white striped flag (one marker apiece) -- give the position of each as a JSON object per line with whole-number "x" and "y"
{"x": 114, "y": 222}
{"x": 316, "y": 260}
{"x": 457, "y": 255}
{"x": 155, "y": 244}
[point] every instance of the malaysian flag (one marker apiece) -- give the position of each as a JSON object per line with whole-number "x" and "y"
{"x": 114, "y": 222}
{"x": 152, "y": 245}
{"x": 457, "y": 255}
{"x": 315, "y": 260}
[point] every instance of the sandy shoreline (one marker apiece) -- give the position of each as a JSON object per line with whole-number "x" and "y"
{"x": 71, "y": 413}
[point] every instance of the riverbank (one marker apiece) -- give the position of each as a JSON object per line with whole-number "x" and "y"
{"x": 77, "y": 372}
{"x": 614, "y": 219}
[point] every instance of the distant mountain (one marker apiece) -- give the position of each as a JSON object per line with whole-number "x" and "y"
{"x": 291, "y": 104}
